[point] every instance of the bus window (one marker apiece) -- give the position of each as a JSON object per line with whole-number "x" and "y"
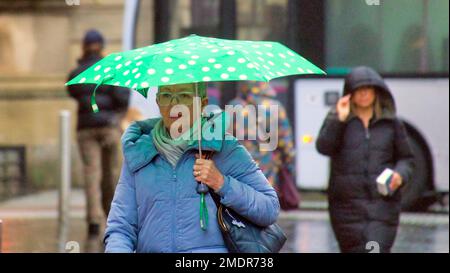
{"x": 403, "y": 36}
{"x": 262, "y": 20}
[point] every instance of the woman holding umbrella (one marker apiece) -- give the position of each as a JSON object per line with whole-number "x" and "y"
{"x": 156, "y": 204}
{"x": 363, "y": 137}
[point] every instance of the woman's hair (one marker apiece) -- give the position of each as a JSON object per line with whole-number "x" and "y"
{"x": 377, "y": 108}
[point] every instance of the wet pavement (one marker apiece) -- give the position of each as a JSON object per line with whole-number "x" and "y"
{"x": 308, "y": 231}
{"x": 41, "y": 235}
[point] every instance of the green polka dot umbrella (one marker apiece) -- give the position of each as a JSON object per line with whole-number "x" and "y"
{"x": 195, "y": 59}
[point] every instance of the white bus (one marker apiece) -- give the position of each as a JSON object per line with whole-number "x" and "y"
{"x": 422, "y": 104}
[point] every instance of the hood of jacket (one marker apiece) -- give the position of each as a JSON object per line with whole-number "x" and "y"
{"x": 366, "y": 76}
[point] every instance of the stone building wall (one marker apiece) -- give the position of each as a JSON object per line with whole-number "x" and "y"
{"x": 39, "y": 45}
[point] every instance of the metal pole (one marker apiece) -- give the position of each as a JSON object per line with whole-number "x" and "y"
{"x": 131, "y": 12}
{"x": 64, "y": 189}
{"x": 198, "y": 112}
{"x": 1, "y": 232}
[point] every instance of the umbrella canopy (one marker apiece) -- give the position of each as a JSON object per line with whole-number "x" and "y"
{"x": 196, "y": 59}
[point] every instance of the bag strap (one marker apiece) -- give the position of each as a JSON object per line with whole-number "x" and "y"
{"x": 215, "y": 197}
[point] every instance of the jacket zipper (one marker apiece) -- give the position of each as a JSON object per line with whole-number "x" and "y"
{"x": 367, "y": 130}
{"x": 174, "y": 207}
{"x": 174, "y": 200}
{"x": 367, "y": 135}
{"x": 174, "y": 195}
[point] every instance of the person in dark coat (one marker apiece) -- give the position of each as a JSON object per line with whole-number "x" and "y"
{"x": 98, "y": 134}
{"x": 111, "y": 100}
{"x": 363, "y": 137}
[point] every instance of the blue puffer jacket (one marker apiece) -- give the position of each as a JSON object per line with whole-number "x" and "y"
{"x": 156, "y": 206}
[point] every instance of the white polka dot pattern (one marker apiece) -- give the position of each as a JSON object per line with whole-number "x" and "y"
{"x": 194, "y": 59}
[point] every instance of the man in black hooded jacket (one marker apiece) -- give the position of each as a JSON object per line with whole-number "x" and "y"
{"x": 98, "y": 134}
{"x": 362, "y": 144}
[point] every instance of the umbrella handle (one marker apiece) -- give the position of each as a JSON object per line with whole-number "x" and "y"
{"x": 94, "y": 105}
{"x": 198, "y": 108}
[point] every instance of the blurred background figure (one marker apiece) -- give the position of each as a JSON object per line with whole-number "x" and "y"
{"x": 213, "y": 94}
{"x": 363, "y": 137}
{"x": 98, "y": 134}
{"x": 278, "y": 165}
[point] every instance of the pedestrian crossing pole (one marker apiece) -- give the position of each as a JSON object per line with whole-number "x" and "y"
{"x": 65, "y": 171}
{"x": 1, "y": 232}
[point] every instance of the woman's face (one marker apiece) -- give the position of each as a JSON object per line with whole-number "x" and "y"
{"x": 364, "y": 97}
{"x": 171, "y": 99}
